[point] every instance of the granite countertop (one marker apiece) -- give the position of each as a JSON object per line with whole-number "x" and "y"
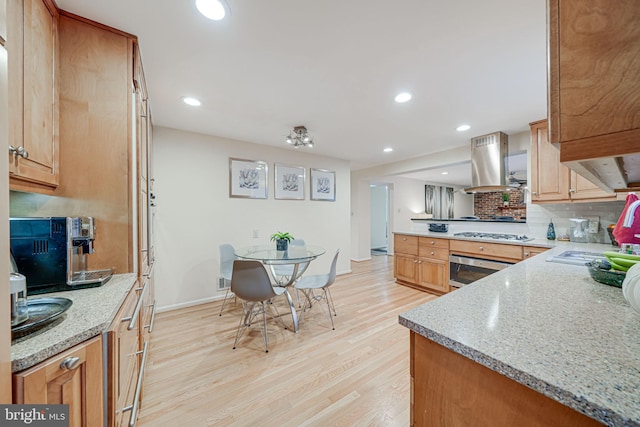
{"x": 91, "y": 313}
{"x": 550, "y": 327}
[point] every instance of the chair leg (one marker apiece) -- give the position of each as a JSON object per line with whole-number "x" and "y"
{"x": 245, "y": 321}
{"x": 328, "y": 292}
{"x": 224, "y": 303}
{"x": 264, "y": 325}
{"x": 329, "y": 304}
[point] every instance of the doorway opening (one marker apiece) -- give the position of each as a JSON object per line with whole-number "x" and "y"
{"x": 379, "y": 219}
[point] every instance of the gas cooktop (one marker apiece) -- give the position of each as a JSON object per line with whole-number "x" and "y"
{"x": 494, "y": 236}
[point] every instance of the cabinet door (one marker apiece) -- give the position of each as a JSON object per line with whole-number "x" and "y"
{"x": 432, "y": 274}
{"x": 123, "y": 343}
{"x": 36, "y": 143}
{"x": 405, "y": 268}
{"x": 582, "y": 188}
{"x": 73, "y": 378}
{"x": 549, "y": 177}
{"x": 531, "y": 251}
{"x": 593, "y": 69}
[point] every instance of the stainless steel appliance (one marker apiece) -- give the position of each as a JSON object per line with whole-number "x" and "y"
{"x": 52, "y": 253}
{"x": 489, "y": 163}
{"x": 464, "y": 270}
{"x": 494, "y": 236}
{"x": 578, "y": 230}
{"x": 576, "y": 257}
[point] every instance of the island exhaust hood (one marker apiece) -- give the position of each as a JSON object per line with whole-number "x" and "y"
{"x": 489, "y": 157}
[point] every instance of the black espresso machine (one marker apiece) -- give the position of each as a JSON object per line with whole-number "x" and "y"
{"x": 52, "y": 253}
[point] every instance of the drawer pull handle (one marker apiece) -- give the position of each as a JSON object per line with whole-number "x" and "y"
{"x": 18, "y": 152}
{"x": 481, "y": 248}
{"x": 133, "y": 319}
{"x": 153, "y": 317}
{"x": 527, "y": 254}
{"x": 433, "y": 243}
{"x": 433, "y": 253}
{"x": 404, "y": 239}
{"x": 136, "y": 398}
{"x": 70, "y": 363}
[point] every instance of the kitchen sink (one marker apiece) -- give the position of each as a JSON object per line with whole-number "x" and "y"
{"x": 576, "y": 257}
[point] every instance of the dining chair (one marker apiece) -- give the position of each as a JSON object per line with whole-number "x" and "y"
{"x": 227, "y": 256}
{"x": 251, "y": 283}
{"x": 309, "y": 284}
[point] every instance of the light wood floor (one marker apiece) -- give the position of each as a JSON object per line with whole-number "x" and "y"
{"x": 355, "y": 375}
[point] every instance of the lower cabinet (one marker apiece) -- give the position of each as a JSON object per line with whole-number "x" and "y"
{"x": 531, "y": 251}
{"x": 422, "y": 263}
{"x": 126, "y": 358}
{"x": 74, "y": 377}
{"x": 448, "y": 389}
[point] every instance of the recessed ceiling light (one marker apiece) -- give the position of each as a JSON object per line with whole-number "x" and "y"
{"x": 462, "y": 128}
{"x": 388, "y": 150}
{"x": 403, "y": 97}
{"x": 212, "y": 9}
{"x": 444, "y": 173}
{"x": 191, "y": 101}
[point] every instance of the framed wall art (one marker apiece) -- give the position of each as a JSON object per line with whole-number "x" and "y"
{"x": 247, "y": 179}
{"x": 289, "y": 182}
{"x": 323, "y": 185}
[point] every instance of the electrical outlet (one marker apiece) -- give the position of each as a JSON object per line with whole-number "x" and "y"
{"x": 594, "y": 224}
{"x": 256, "y": 234}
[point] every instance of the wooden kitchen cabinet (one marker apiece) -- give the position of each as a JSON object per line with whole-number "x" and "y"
{"x": 551, "y": 181}
{"x": 531, "y": 251}
{"x": 422, "y": 262}
{"x": 495, "y": 251}
{"x": 123, "y": 361}
{"x": 74, "y": 377}
{"x": 593, "y": 69}
{"x": 593, "y": 89}
{"x": 33, "y": 93}
{"x": 451, "y": 390}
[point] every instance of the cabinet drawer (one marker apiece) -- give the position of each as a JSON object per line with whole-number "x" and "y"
{"x": 433, "y": 252}
{"x": 431, "y": 242}
{"x": 486, "y": 250}
{"x": 405, "y": 244}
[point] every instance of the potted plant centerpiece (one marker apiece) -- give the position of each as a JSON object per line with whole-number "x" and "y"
{"x": 505, "y": 198}
{"x": 282, "y": 240}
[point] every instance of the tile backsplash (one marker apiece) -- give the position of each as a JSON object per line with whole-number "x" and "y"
{"x": 538, "y": 217}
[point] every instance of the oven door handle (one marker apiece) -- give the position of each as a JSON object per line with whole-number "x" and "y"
{"x": 477, "y": 262}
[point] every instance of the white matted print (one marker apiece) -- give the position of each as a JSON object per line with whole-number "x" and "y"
{"x": 323, "y": 185}
{"x": 289, "y": 181}
{"x": 247, "y": 179}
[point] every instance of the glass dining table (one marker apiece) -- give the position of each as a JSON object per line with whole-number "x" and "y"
{"x": 297, "y": 257}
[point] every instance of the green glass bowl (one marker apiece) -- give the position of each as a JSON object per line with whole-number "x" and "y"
{"x": 608, "y": 277}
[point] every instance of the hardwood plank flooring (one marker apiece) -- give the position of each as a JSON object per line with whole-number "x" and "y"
{"x": 355, "y": 375}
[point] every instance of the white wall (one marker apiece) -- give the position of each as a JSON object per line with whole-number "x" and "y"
{"x": 195, "y": 213}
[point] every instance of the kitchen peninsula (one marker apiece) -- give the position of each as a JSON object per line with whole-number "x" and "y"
{"x": 538, "y": 343}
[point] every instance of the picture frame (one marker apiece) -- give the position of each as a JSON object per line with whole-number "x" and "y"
{"x": 289, "y": 182}
{"x": 248, "y": 178}
{"x": 323, "y": 185}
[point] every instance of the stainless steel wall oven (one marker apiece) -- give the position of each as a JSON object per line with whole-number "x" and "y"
{"x": 464, "y": 270}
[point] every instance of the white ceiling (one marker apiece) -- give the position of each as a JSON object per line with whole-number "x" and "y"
{"x": 335, "y": 67}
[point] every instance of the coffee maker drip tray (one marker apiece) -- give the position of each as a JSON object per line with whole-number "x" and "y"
{"x": 96, "y": 277}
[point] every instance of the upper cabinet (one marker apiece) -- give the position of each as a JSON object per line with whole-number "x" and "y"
{"x": 32, "y": 44}
{"x": 553, "y": 182}
{"x": 594, "y": 89}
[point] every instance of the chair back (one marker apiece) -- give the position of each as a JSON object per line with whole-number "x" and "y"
{"x": 227, "y": 256}
{"x": 250, "y": 281}
{"x": 332, "y": 271}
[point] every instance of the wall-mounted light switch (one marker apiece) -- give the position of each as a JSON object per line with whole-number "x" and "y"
{"x": 594, "y": 224}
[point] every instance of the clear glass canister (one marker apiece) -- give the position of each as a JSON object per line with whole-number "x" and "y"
{"x": 19, "y": 309}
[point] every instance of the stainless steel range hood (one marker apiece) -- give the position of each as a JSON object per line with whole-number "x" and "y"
{"x": 489, "y": 157}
